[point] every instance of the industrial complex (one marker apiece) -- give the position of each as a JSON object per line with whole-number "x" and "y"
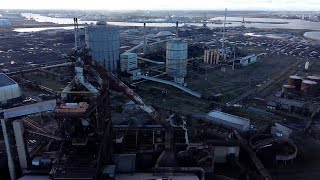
{"x": 95, "y": 96}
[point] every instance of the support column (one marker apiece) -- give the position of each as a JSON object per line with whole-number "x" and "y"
{"x": 20, "y": 143}
{"x": 8, "y": 149}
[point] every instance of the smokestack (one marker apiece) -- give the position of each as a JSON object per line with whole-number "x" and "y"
{"x": 224, "y": 31}
{"x": 177, "y": 29}
{"x": 144, "y": 38}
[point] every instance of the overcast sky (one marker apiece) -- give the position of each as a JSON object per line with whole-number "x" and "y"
{"x": 163, "y": 4}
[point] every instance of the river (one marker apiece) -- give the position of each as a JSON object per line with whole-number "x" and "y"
{"x": 263, "y": 23}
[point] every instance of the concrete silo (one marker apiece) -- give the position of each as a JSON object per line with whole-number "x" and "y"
{"x": 176, "y": 60}
{"x": 103, "y": 43}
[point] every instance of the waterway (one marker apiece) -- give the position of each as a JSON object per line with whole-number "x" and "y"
{"x": 263, "y": 23}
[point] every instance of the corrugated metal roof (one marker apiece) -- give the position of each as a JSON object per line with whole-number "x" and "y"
{"x": 291, "y": 102}
{"x": 34, "y": 177}
{"x": 30, "y": 109}
{"x": 6, "y": 80}
{"x": 229, "y": 117}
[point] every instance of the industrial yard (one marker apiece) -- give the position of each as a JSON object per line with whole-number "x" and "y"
{"x": 90, "y": 99}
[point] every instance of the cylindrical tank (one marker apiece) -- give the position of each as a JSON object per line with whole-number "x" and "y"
{"x": 306, "y": 66}
{"x": 176, "y": 58}
{"x": 104, "y": 43}
{"x": 288, "y": 88}
{"x": 309, "y": 87}
{"x": 314, "y": 78}
{"x": 295, "y": 81}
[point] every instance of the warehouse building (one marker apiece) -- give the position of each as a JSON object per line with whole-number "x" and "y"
{"x": 10, "y": 91}
{"x": 229, "y": 120}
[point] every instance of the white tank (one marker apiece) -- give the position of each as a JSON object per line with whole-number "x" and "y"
{"x": 176, "y": 59}
{"x": 103, "y": 42}
{"x": 306, "y": 66}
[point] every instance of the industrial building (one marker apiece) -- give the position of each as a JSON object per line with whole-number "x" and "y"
{"x": 245, "y": 61}
{"x": 5, "y": 22}
{"x": 10, "y": 91}
{"x": 98, "y": 123}
{"x": 229, "y": 120}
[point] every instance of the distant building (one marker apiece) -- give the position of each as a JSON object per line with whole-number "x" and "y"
{"x": 229, "y": 120}
{"x": 272, "y": 105}
{"x": 4, "y": 22}
{"x": 9, "y": 90}
{"x": 245, "y": 61}
{"x": 291, "y": 105}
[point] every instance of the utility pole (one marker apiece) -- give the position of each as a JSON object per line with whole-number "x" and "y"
{"x": 144, "y": 39}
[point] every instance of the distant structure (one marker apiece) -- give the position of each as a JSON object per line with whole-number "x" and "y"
{"x": 9, "y": 90}
{"x": 211, "y": 56}
{"x": 5, "y": 22}
{"x": 229, "y": 120}
{"x": 128, "y": 62}
{"x": 223, "y": 34}
{"x": 176, "y": 59}
{"x": 245, "y": 61}
{"x": 307, "y": 66}
{"x": 243, "y": 23}
{"x": 144, "y": 38}
{"x": 103, "y": 42}
{"x": 295, "y": 81}
{"x": 309, "y": 87}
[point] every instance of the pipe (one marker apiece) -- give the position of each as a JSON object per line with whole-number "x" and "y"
{"x": 189, "y": 91}
{"x": 6, "y": 141}
{"x": 224, "y": 31}
{"x": 181, "y": 169}
{"x": 150, "y": 61}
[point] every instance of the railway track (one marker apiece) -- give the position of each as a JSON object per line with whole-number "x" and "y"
{"x": 263, "y": 90}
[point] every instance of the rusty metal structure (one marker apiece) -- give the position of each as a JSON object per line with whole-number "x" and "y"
{"x": 309, "y": 87}
{"x": 295, "y": 81}
{"x": 288, "y": 89}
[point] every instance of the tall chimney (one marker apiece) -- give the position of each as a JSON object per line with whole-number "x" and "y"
{"x": 177, "y": 29}
{"x": 144, "y": 38}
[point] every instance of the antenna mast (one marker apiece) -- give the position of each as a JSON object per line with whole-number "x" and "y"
{"x": 224, "y": 31}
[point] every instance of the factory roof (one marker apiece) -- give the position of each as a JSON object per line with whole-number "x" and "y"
{"x": 291, "y": 102}
{"x": 249, "y": 56}
{"x": 6, "y": 80}
{"x": 164, "y": 33}
{"x": 29, "y": 109}
{"x": 34, "y": 177}
{"x": 281, "y": 128}
{"x": 229, "y": 117}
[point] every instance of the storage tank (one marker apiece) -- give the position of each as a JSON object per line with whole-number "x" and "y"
{"x": 103, "y": 43}
{"x": 288, "y": 89}
{"x": 306, "y": 66}
{"x": 309, "y": 87}
{"x": 314, "y": 78}
{"x": 176, "y": 59}
{"x": 295, "y": 81}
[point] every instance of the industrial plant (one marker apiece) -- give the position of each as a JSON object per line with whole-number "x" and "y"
{"x": 96, "y": 99}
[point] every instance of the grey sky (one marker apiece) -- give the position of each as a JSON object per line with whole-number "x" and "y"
{"x": 164, "y": 4}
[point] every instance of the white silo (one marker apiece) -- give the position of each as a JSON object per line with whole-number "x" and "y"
{"x": 306, "y": 66}
{"x": 103, "y": 42}
{"x": 176, "y": 59}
